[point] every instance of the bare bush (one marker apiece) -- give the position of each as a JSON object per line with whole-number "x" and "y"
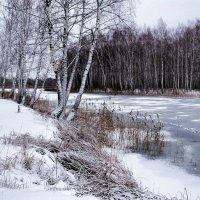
{"x": 23, "y": 140}
{"x": 98, "y": 172}
{"x": 42, "y": 106}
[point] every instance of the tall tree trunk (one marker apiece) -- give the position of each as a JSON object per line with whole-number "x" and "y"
{"x": 162, "y": 74}
{"x": 88, "y": 65}
{"x": 33, "y": 96}
{"x": 192, "y": 62}
{"x": 3, "y": 83}
{"x": 77, "y": 55}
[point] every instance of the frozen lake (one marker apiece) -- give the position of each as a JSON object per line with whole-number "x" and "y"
{"x": 178, "y": 169}
{"x": 180, "y": 116}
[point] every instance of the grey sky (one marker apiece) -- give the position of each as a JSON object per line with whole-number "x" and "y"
{"x": 173, "y": 12}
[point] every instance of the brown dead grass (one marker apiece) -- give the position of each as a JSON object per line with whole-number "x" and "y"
{"x": 42, "y": 106}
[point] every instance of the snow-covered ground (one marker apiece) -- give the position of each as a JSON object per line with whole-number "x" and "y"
{"x": 181, "y": 119}
{"x": 26, "y": 121}
{"x": 35, "y": 194}
{"x": 161, "y": 177}
{"x": 17, "y": 182}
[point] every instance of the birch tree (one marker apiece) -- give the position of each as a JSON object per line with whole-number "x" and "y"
{"x": 66, "y": 20}
{"x": 101, "y": 7}
{"x": 91, "y": 52}
{"x": 71, "y": 14}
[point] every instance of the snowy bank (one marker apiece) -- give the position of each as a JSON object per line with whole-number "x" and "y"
{"x": 26, "y": 172}
{"x": 34, "y": 194}
{"x": 27, "y": 121}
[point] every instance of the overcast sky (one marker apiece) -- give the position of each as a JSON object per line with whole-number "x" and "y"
{"x": 173, "y": 12}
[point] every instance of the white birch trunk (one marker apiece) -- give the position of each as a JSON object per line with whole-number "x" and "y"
{"x": 33, "y": 96}
{"x": 62, "y": 75}
{"x": 87, "y": 68}
{"x": 77, "y": 56}
{"x": 56, "y": 67}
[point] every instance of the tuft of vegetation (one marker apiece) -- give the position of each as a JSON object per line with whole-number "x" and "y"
{"x": 139, "y": 133}
{"x": 42, "y": 106}
{"x": 130, "y": 132}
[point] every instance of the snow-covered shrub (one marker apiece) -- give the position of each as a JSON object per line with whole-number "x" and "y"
{"x": 36, "y": 157}
{"x": 97, "y": 172}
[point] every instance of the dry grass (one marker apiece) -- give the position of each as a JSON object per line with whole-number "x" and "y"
{"x": 101, "y": 122}
{"x": 7, "y": 95}
{"x": 28, "y": 161}
{"x": 140, "y": 133}
{"x": 23, "y": 140}
{"x": 42, "y": 106}
{"x": 100, "y": 173}
{"x": 11, "y": 183}
{"x": 129, "y": 132}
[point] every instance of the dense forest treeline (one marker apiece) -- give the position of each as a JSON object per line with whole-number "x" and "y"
{"x": 127, "y": 59}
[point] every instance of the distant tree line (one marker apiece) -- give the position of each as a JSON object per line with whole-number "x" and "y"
{"x": 126, "y": 59}
{"x": 158, "y": 59}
